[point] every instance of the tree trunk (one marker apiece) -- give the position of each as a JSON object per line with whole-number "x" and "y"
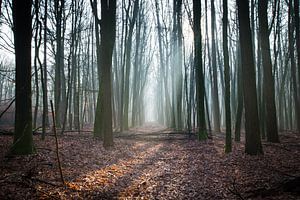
{"x": 97, "y": 126}
{"x": 200, "y": 90}
{"x": 269, "y": 90}
{"x": 128, "y": 64}
{"x": 23, "y": 140}
{"x": 45, "y": 120}
{"x": 291, "y": 26}
{"x": 59, "y": 61}
{"x": 36, "y": 60}
{"x": 253, "y": 143}
{"x": 216, "y": 108}
{"x": 228, "y": 147}
{"x": 297, "y": 29}
{"x": 108, "y": 35}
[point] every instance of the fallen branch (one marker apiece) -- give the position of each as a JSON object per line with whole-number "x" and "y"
{"x": 6, "y": 109}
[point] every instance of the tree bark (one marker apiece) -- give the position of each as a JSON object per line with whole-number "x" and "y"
{"x": 216, "y": 108}
{"x": 297, "y": 29}
{"x": 108, "y": 35}
{"x": 23, "y": 140}
{"x": 200, "y": 87}
{"x": 293, "y": 64}
{"x": 253, "y": 143}
{"x": 228, "y": 147}
{"x": 45, "y": 120}
{"x": 269, "y": 90}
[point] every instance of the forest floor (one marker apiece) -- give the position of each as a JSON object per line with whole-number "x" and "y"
{"x": 150, "y": 162}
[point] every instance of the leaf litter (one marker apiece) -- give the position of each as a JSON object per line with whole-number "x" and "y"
{"x": 151, "y": 163}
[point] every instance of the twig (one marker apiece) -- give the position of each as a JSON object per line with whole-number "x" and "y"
{"x": 56, "y": 142}
{"x": 6, "y": 109}
{"x": 36, "y": 129}
{"x": 41, "y": 191}
{"x": 235, "y": 191}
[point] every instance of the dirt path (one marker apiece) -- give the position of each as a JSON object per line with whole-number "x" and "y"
{"x": 151, "y": 162}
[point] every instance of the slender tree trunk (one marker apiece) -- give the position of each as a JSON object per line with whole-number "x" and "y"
{"x": 128, "y": 64}
{"x": 216, "y": 108}
{"x": 240, "y": 102}
{"x": 45, "y": 120}
{"x": 293, "y": 64}
{"x": 36, "y": 58}
{"x": 179, "y": 65}
{"x": 228, "y": 147}
{"x": 297, "y": 29}
{"x": 200, "y": 88}
{"x": 136, "y": 71}
{"x": 97, "y": 125}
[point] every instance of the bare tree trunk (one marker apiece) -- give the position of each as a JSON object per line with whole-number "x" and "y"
{"x": 269, "y": 90}
{"x": 253, "y": 143}
{"x": 216, "y": 108}
{"x": 58, "y": 80}
{"x": 36, "y": 59}
{"x": 136, "y": 81}
{"x": 128, "y": 64}
{"x": 291, "y": 26}
{"x": 200, "y": 90}
{"x": 45, "y": 120}
{"x": 104, "y": 105}
{"x": 97, "y": 127}
{"x": 297, "y": 29}
{"x": 228, "y": 147}
{"x": 23, "y": 140}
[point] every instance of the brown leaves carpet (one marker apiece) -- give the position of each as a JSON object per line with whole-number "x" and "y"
{"x": 151, "y": 163}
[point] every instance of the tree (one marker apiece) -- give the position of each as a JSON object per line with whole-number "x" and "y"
{"x": 128, "y": 63}
{"x": 227, "y": 78}
{"x": 200, "y": 89}
{"x": 97, "y": 127}
{"x": 291, "y": 26}
{"x": 269, "y": 91}
{"x": 59, "y": 80}
{"x": 23, "y": 141}
{"x": 297, "y": 29}
{"x": 240, "y": 102}
{"x": 108, "y": 34}
{"x": 45, "y": 120}
{"x": 163, "y": 65}
{"x": 177, "y": 65}
{"x": 253, "y": 143}
{"x": 215, "y": 93}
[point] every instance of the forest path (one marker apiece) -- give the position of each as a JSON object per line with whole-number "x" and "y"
{"x": 152, "y": 131}
{"x": 144, "y": 167}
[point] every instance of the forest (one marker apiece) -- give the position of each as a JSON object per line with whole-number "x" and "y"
{"x": 149, "y": 99}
